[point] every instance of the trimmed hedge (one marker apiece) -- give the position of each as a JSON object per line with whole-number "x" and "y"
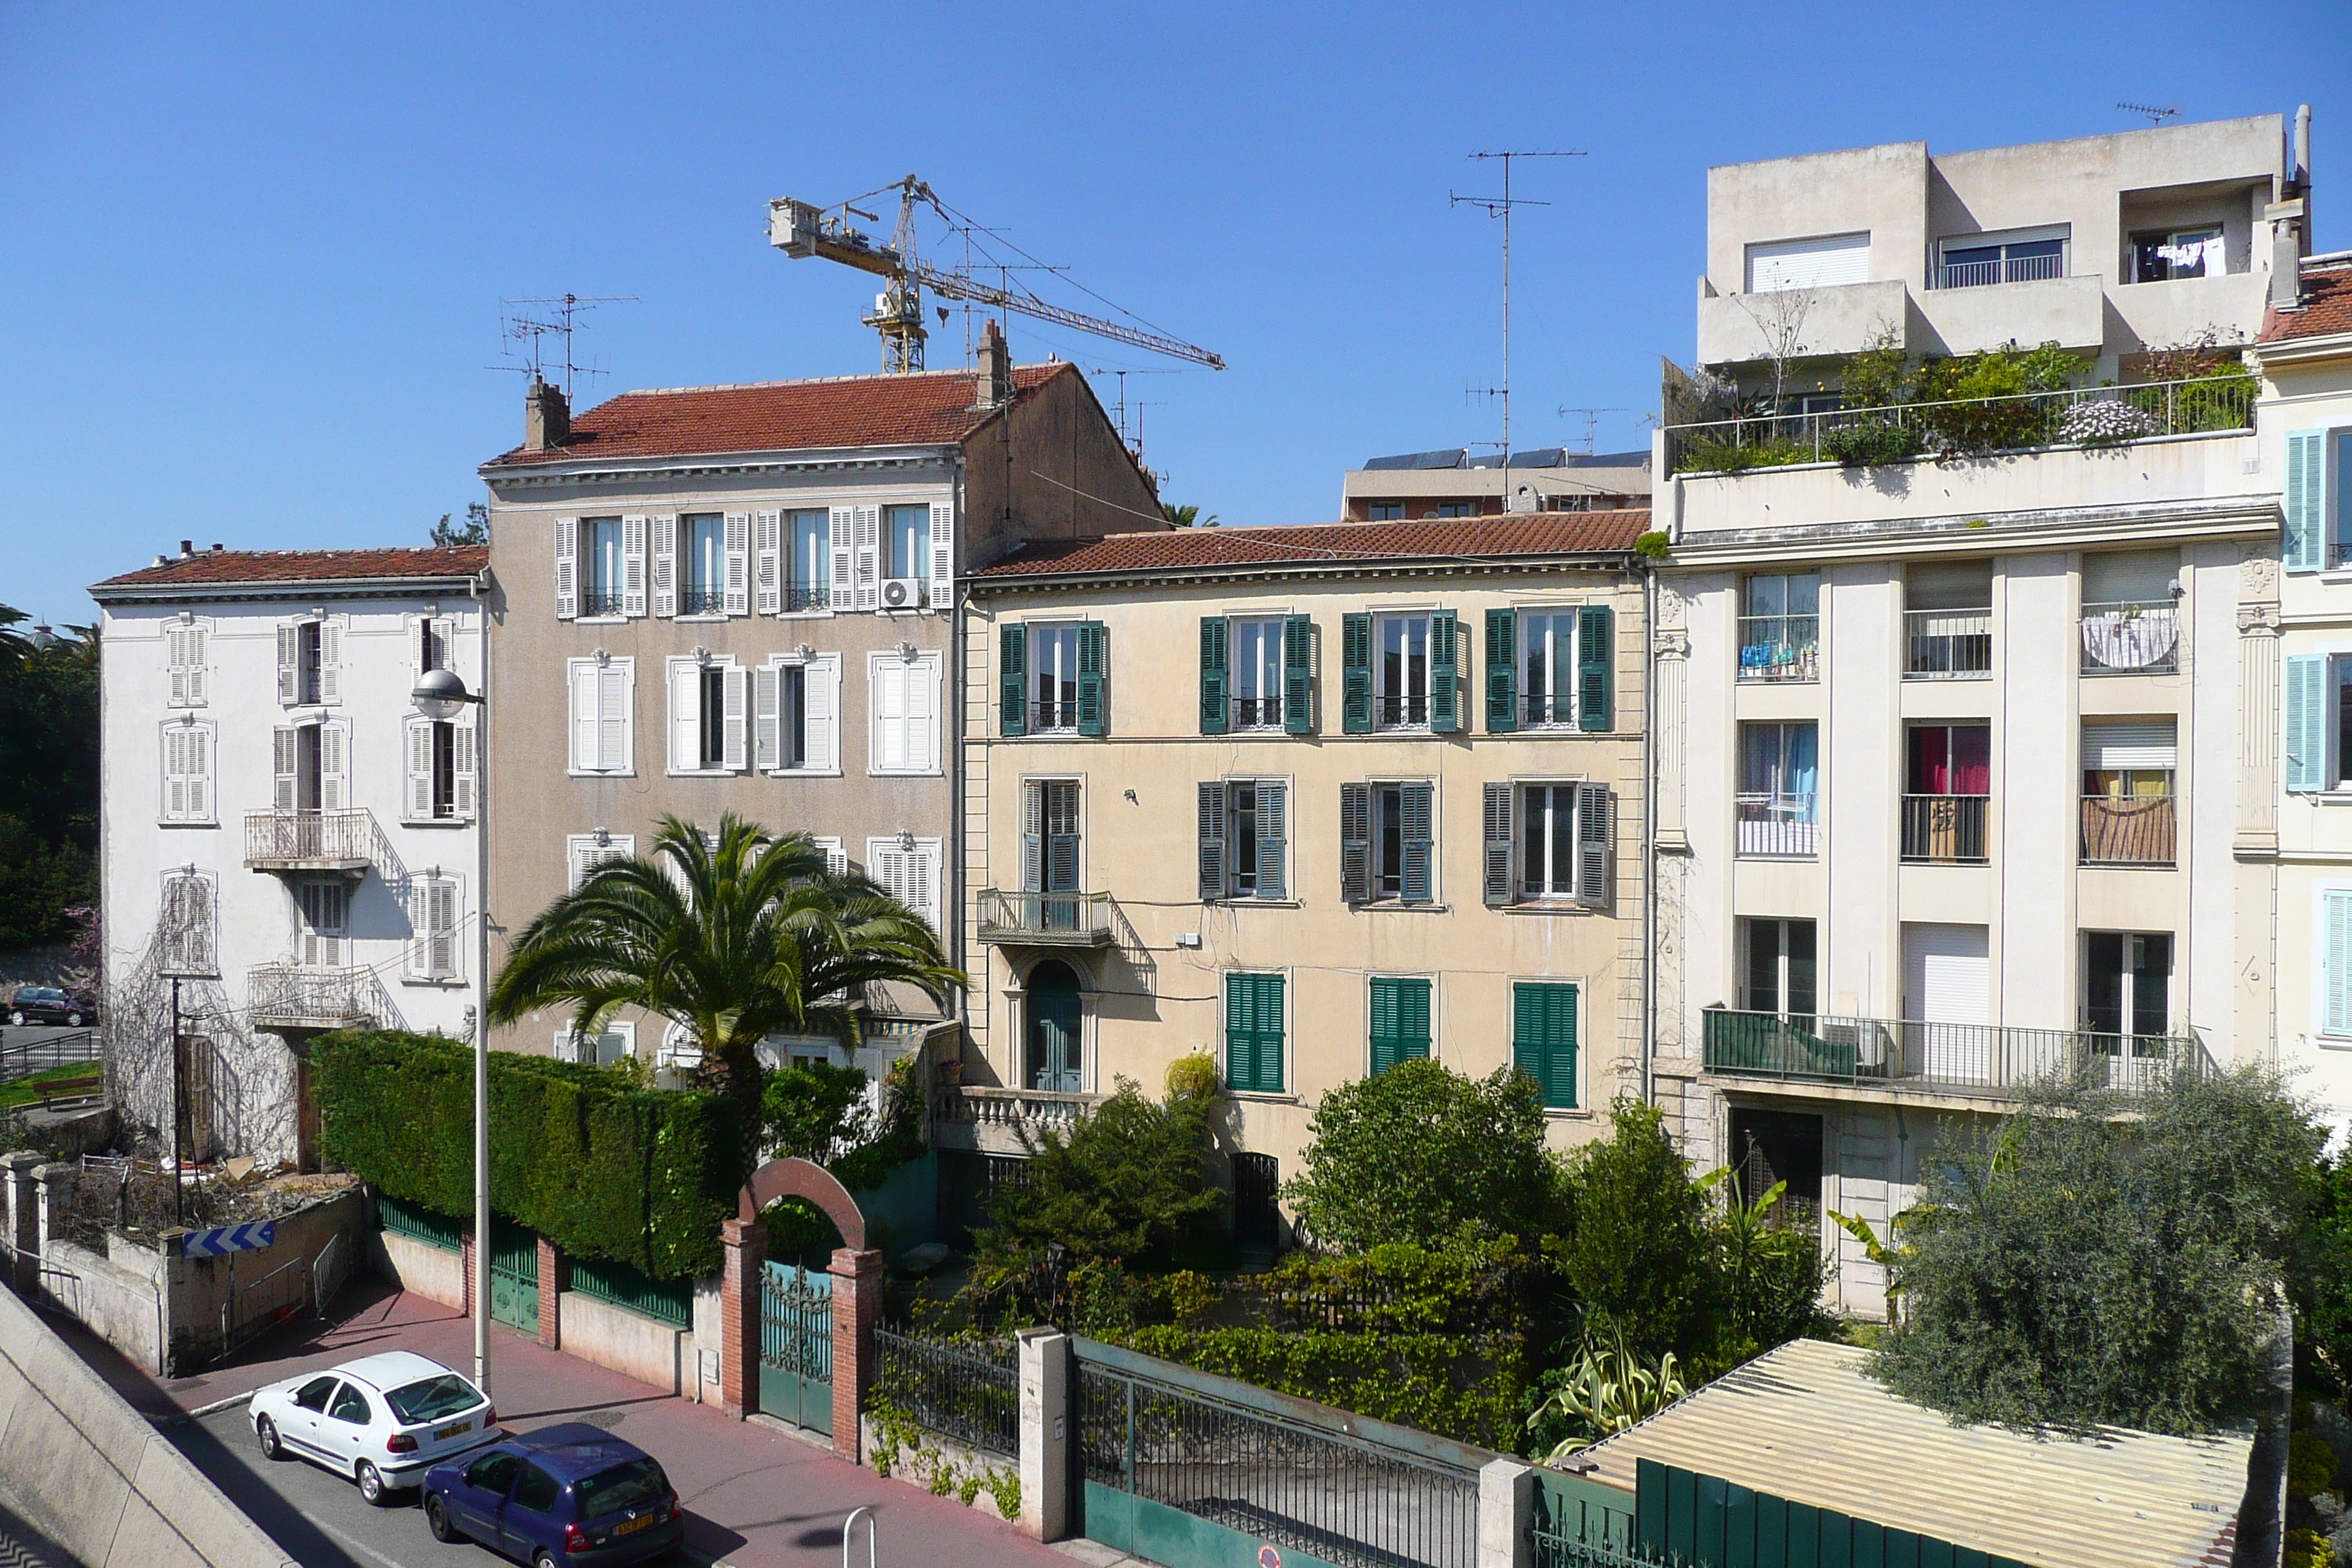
{"x": 634, "y": 1175}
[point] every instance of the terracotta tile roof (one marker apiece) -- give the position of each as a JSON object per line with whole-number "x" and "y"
{"x": 234, "y": 566}
{"x": 2326, "y": 307}
{"x": 931, "y": 408}
{"x": 1521, "y": 533}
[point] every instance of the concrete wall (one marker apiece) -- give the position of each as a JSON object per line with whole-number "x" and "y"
{"x": 1051, "y": 466}
{"x": 629, "y": 1342}
{"x": 420, "y": 1268}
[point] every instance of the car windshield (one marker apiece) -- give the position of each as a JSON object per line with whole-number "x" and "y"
{"x": 432, "y": 1399}
{"x": 623, "y": 1486}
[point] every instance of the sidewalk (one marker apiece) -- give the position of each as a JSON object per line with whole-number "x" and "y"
{"x": 754, "y": 1496}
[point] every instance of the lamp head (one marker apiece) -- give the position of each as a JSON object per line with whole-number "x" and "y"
{"x": 441, "y": 695}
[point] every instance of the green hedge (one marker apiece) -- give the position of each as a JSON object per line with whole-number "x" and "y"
{"x": 637, "y": 1176}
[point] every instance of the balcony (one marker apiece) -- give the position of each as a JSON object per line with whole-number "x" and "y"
{"x": 2127, "y": 638}
{"x": 2001, "y": 269}
{"x": 1780, "y": 647}
{"x": 1945, "y": 829}
{"x": 2127, "y": 830}
{"x": 1253, "y": 713}
{"x": 1948, "y": 645}
{"x": 1981, "y": 1059}
{"x": 340, "y": 842}
{"x": 702, "y": 601}
{"x": 1035, "y": 1109}
{"x": 1777, "y": 826}
{"x": 593, "y": 604}
{"x": 1048, "y": 920}
{"x": 283, "y": 997}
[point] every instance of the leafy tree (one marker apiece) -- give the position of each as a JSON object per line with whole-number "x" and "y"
{"x": 48, "y": 782}
{"x": 1639, "y": 1251}
{"x": 1769, "y": 1276}
{"x": 2096, "y": 1259}
{"x": 475, "y": 530}
{"x": 1422, "y": 1155}
{"x": 1187, "y": 516}
{"x": 816, "y": 1111}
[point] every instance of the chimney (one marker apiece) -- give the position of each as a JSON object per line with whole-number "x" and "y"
{"x": 995, "y": 369}
{"x": 187, "y": 549}
{"x": 2290, "y": 219}
{"x": 546, "y": 417}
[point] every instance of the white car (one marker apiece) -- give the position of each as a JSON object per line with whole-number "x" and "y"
{"x": 382, "y": 1420}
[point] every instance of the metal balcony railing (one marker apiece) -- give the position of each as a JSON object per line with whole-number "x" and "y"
{"x": 1780, "y": 647}
{"x": 1035, "y": 1109}
{"x": 595, "y": 603}
{"x": 1047, "y": 920}
{"x": 1948, "y": 645}
{"x": 702, "y": 601}
{"x": 1949, "y": 828}
{"x": 1045, "y": 718}
{"x": 2002, "y": 270}
{"x": 1963, "y": 1058}
{"x": 2131, "y": 637}
{"x": 808, "y": 596}
{"x": 1254, "y": 712}
{"x": 1777, "y": 826}
{"x": 346, "y": 841}
{"x": 1553, "y": 707}
{"x": 2128, "y": 830}
{"x": 287, "y": 996}
{"x": 1403, "y": 713}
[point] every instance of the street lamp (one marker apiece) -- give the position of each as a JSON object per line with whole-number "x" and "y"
{"x": 440, "y": 695}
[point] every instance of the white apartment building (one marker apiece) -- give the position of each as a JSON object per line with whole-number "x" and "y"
{"x": 1946, "y": 741}
{"x": 280, "y": 830}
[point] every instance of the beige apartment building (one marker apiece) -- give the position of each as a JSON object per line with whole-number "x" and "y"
{"x": 740, "y": 598}
{"x": 1310, "y": 800}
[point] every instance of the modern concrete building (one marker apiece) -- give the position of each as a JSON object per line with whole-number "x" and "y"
{"x": 1450, "y": 482}
{"x": 280, "y": 829}
{"x": 1946, "y": 741}
{"x": 1311, "y": 800}
{"x": 739, "y": 599}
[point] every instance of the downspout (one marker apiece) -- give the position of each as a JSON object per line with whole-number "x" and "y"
{"x": 952, "y": 873}
{"x": 1649, "y": 832}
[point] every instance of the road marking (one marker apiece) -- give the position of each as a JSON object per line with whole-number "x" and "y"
{"x": 354, "y": 1542}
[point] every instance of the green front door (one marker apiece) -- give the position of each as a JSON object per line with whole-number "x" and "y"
{"x": 796, "y": 1345}
{"x": 1055, "y": 1014}
{"x": 514, "y": 1277}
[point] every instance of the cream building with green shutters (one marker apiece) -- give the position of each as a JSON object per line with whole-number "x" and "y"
{"x": 1311, "y": 800}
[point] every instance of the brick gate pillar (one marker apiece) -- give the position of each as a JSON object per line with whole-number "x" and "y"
{"x": 550, "y": 1294}
{"x": 746, "y": 1246}
{"x": 857, "y": 1308}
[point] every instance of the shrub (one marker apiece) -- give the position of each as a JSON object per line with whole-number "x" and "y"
{"x": 1638, "y": 1250}
{"x": 1867, "y": 443}
{"x": 1193, "y": 1076}
{"x": 2096, "y": 422}
{"x": 1653, "y": 545}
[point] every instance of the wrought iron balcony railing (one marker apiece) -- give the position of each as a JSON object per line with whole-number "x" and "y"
{"x": 288, "y": 996}
{"x": 1047, "y": 920}
{"x": 595, "y": 603}
{"x": 1948, "y": 645}
{"x": 2128, "y": 830}
{"x": 2129, "y": 637}
{"x": 702, "y": 601}
{"x": 1946, "y": 828}
{"x": 1946, "y": 1058}
{"x": 1780, "y": 647}
{"x": 344, "y": 841}
{"x": 808, "y": 596}
{"x": 1778, "y": 826}
{"x": 1253, "y": 712}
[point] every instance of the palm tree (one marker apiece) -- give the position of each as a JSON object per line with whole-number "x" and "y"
{"x": 733, "y": 940}
{"x": 1187, "y": 516}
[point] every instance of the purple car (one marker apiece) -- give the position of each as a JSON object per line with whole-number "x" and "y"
{"x": 569, "y": 1494}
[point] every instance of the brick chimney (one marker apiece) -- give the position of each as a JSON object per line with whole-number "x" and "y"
{"x": 546, "y": 417}
{"x": 995, "y": 369}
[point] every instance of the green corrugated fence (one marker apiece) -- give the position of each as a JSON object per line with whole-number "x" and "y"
{"x": 667, "y": 1300}
{"x": 1705, "y": 1521}
{"x": 403, "y": 1218}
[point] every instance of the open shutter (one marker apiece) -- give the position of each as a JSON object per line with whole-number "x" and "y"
{"x": 1273, "y": 838}
{"x": 633, "y": 565}
{"x": 282, "y": 762}
{"x": 1215, "y": 631}
{"x": 2339, "y": 964}
{"x": 820, "y": 712}
{"x": 586, "y": 701}
{"x": 942, "y": 589}
{"x": 444, "y": 631}
{"x": 841, "y": 530}
{"x": 1093, "y": 679}
{"x": 200, "y": 771}
{"x": 1417, "y": 800}
{"x": 334, "y": 766}
{"x": 1502, "y": 672}
{"x": 1596, "y": 666}
{"x": 567, "y": 568}
{"x": 768, "y": 568}
{"x": 330, "y": 661}
{"x": 738, "y": 600}
{"x": 1033, "y": 837}
{"x": 735, "y": 698}
{"x": 1211, "y": 802}
{"x": 1596, "y": 845}
{"x": 1013, "y": 676}
{"x": 1355, "y": 674}
{"x": 685, "y": 716}
{"x": 767, "y": 726}
{"x": 175, "y": 645}
{"x": 417, "y": 794}
{"x": 420, "y": 928}
{"x": 1298, "y": 675}
{"x": 289, "y": 664}
{"x": 2303, "y": 506}
{"x": 922, "y": 719}
{"x": 1497, "y": 838}
{"x": 2306, "y": 722}
{"x": 869, "y": 553}
{"x": 665, "y": 566}
{"x": 612, "y": 721}
{"x": 1356, "y": 843}
{"x": 441, "y": 918}
{"x": 462, "y": 768}
{"x": 1444, "y": 673}
{"x": 198, "y": 895}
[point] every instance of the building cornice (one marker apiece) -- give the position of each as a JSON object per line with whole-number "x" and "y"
{"x": 1299, "y": 571}
{"x": 591, "y": 474}
{"x": 338, "y": 588}
{"x": 2298, "y": 350}
{"x": 2072, "y": 528}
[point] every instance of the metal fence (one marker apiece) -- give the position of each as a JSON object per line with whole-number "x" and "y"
{"x": 1050, "y": 919}
{"x": 1778, "y": 826}
{"x": 1961, "y": 1057}
{"x": 2128, "y": 830}
{"x": 1554, "y": 1549}
{"x": 1948, "y": 645}
{"x": 968, "y": 1391}
{"x": 1780, "y": 647}
{"x": 50, "y": 1048}
{"x": 631, "y": 1289}
{"x": 404, "y": 1218}
{"x": 280, "y": 1296}
{"x": 310, "y": 837}
{"x": 1949, "y": 827}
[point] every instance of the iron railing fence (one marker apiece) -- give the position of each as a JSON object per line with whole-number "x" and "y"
{"x": 2129, "y": 830}
{"x": 1776, "y": 826}
{"x": 1282, "y": 1478}
{"x": 632, "y": 1290}
{"x": 2131, "y": 637}
{"x": 1780, "y": 647}
{"x": 250, "y": 1310}
{"x": 50, "y": 1048}
{"x": 1402, "y": 712}
{"x": 702, "y": 601}
{"x": 808, "y": 596}
{"x": 1047, "y": 717}
{"x": 1950, "y": 828}
{"x": 285, "y": 996}
{"x": 1555, "y": 1549}
{"x": 595, "y": 603}
{"x": 404, "y": 1218}
{"x": 1948, "y": 645}
{"x": 966, "y": 1390}
{"x": 1055, "y": 918}
{"x": 1539, "y": 709}
{"x": 311, "y": 837}
{"x": 1253, "y": 712}
{"x": 2002, "y": 270}
{"x": 1967, "y": 1059}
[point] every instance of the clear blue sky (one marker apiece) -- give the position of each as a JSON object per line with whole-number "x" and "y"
{"x": 253, "y": 255}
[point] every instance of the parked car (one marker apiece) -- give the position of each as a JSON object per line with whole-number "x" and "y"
{"x": 382, "y": 1420}
{"x": 47, "y": 1005}
{"x": 568, "y": 1494}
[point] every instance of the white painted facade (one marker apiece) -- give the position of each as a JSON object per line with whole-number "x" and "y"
{"x": 281, "y": 827}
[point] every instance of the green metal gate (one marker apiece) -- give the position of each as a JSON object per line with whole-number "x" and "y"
{"x": 514, "y": 1275}
{"x": 796, "y": 1345}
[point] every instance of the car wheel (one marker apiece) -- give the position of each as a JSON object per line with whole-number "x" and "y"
{"x": 17, "y": 1018}
{"x": 544, "y": 1558}
{"x": 436, "y": 1520}
{"x": 73, "y": 1020}
{"x": 372, "y": 1485}
{"x": 266, "y": 1431}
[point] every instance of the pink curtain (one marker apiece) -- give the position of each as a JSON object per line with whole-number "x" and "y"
{"x": 1955, "y": 759}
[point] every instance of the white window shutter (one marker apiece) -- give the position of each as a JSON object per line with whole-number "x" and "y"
{"x": 889, "y": 700}
{"x": 461, "y": 786}
{"x": 2340, "y": 962}
{"x": 420, "y": 928}
{"x": 334, "y": 766}
{"x": 330, "y": 661}
{"x": 175, "y": 774}
{"x": 766, "y": 719}
{"x": 567, "y": 568}
{"x": 445, "y": 643}
{"x": 869, "y": 551}
{"x": 289, "y": 665}
{"x": 200, "y": 773}
{"x": 173, "y": 926}
{"x": 199, "y": 659}
{"x": 633, "y": 565}
{"x": 942, "y": 589}
{"x": 441, "y": 914}
{"x": 821, "y": 714}
{"x": 175, "y": 653}
{"x": 417, "y": 797}
{"x": 685, "y": 715}
{"x": 739, "y": 563}
{"x": 613, "y": 721}
{"x": 665, "y": 566}
{"x": 585, "y": 700}
{"x": 769, "y": 567}
{"x": 840, "y": 533}
{"x": 283, "y": 755}
{"x": 922, "y": 719}
{"x": 734, "y": 701}
{"x": 837, "y": 858}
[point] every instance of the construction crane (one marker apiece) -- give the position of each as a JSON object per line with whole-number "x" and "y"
{"x": 800, "y": 230}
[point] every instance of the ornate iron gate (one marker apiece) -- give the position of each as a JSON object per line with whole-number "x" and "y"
{"x": 514, "y": 1275}
{"x": 796, "y": 1345}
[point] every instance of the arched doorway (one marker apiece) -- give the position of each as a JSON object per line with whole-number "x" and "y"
{"x": 1055, "y": 1012}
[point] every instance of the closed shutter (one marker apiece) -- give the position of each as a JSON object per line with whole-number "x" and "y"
{"x": 334, "y": 766}
{"x": 2303, "y": 509}
{"x": 1355, "y": 674}
{"x": 613, "y": 721}
{"x": 1543, "y": 1041}
{"x": 1596, "y": 846}
{"x": 665, "y": 566}
{"x": 1946, "y": 977}
{"x": 200, "y": 773}
{"x": 766, "y": 721}
{"x": 1444, "y": 673}
{"x": 289, "y": 665}
{"x": 2340, "y": 962}
{"x": 1356, "y": 843}
{"x": 443, "y": 630}
{"x": 442, "y": 913}
{"x": 735, "y": 709}
{"x": 1824, "y": 262}
{"x": 1596, "y": 668}
{"x": 175, "y": 647}
{"x": 417, "y": 794}
{"x": 2130, "y": 577}
{"x": 869, "y": 553}
{"x": 840, "y": 530}
{"x": 1417, "y": 800}
{"x": 1298, "y": 675}
{"x": 1253, "y": 1032}
{"x": 685, "y": 716}
{"x": 2141, "y": 743}
{"x": 633, "y": 565}
{"x": 199, "y": 660}
{"x": 1211, "y": 807}
{"x": 738, "y": 540}
{"x": 175, "y": 775}
{"x": 420, "y": 928}
{"x": 1495, "y": 861}
{"x": 2306, "y": 722}
{"x": 1033, "y": 837}
{"x": 1399, "y": 1021}
{"x": 1502, "y": 671}
{"x": 941, "y": 595}
{"x": 330, "y": 661}
{"x": 463, "y": 768}
{"x": 284, "y": 762}
{"x": 821, "y": 714}
{"x": 567, "y": 568}
{"x": 1012, "y": 676}
{"x": 768, "y": 568}
{"x": 586, "y": 704}
{"x": 1093, "y": 679}
{"x": 888, "y": 698}
{"x": 1216, "y": 633}
{"x": 1273, "y": 838}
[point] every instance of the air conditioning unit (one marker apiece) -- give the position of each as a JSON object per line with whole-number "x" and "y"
{"x": 902, "y": 592}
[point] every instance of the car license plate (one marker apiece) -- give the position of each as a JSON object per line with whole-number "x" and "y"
{"x": 627, "y": 1526}
{"x": 452, "y": 1431}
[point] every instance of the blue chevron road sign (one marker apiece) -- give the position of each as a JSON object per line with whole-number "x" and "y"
{"x": 222, "y": 1240}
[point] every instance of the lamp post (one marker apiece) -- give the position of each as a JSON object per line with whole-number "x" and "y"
{"x": 440, "y": 695}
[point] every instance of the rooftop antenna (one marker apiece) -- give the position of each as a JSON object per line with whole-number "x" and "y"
{"x": 1121, "y": 406}
{"x": 1500, "y": 206}
{"x": 1591, "y": 419}
{"x": 533, "y": 330}
{"x": 2155, "y": 116}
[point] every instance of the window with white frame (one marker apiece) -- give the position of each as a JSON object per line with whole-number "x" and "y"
{"x": 2335, "y": 961}
{"x": 837, "y": 858}
{"x": 680, "y": 1051}
{"x": 1244, "y": 838}
{"x": 909, "y": 869}
{"x": 1973, "y": 260}
{"x": 796, "y": 715}
{"x": 434, "y": 912}
{"x": 187, "y": 651}
{"x": 808, "y": 573}
{"x": 584, "y": 852}
{"x": 184, "y": 928}
{"x": 440, "y": 779}
{"x": 309, "y": 662}
{"x": 1054, "y": 679}
{"x": 188, "y": 795}
{"x": 310, "y": 764}
{"x": 437, "y": 643}
{"x": 617, "y": 1041}
{"x": 603, "y": 699}
{"x": 907, "y": 538}
{"x": 903, "y": 702}
{"x": 2163, "y": 255}
{"x": 322, "y": 915}
{"x": 1402, "y": 672}
{"x": 702, "y": 564}
{"x": 604, "y": 569}
{"x": 709, "y": 716}
{"x": 1548, "y": 667}
{"x": 1258, "y": 673}
{"x": 1549, "y": 843}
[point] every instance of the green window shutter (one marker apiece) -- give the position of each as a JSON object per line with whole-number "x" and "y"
{"x": 1273, "y": 838}
{"x": 1213, "y": 840}
{"x": 2306, "y": 722}
{"x": 1417, "y": 800}
{"x": 1012, "y": 673}
{"x": 2303, "y": 506}
{"x": 1444, "y": 673}
{"x": 1495, "y": 825}
{"x": 1596, "y": 845}
{"x": 1093, "y": 679}
{"x": 1502, "y": 671}
{"x": 1543, "y": 1039}
{"x": 2339, "y": 964}
{"x": 1214, "y": 632}
{"x": 1355, "y": 674}
{"x": 1399, "y": 1009}
{"x": 1253, "y": 1032}
{"x": 1596, "y": 666}
{"x": 1299, "y": 674}
{"x": 1356, "y": 843}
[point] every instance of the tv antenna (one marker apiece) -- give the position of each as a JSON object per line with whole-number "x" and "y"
{"x": 1121, "y": 406}
{"x": 1591, "y": 420}
{"x": 1501, "y": 206}
{"x": 2155, "y": 116}
{"x": 533, "y": 330}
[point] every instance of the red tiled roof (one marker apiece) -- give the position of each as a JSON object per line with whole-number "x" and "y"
{"x": 1521, "y": 533}
{"x": 931, "y": 408}
{"x": 233, "y": 567}
{"x": 2326, "y": 307}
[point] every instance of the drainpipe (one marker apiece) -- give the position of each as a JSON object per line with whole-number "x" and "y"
{"x": 1649, "y": 831}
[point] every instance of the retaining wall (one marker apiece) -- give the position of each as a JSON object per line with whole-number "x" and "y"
{"x": 420, "y": 1268}
{"x": 629, "y": 1342}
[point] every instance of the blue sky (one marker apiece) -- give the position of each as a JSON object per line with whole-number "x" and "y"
{"x": 253, "y": 257}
